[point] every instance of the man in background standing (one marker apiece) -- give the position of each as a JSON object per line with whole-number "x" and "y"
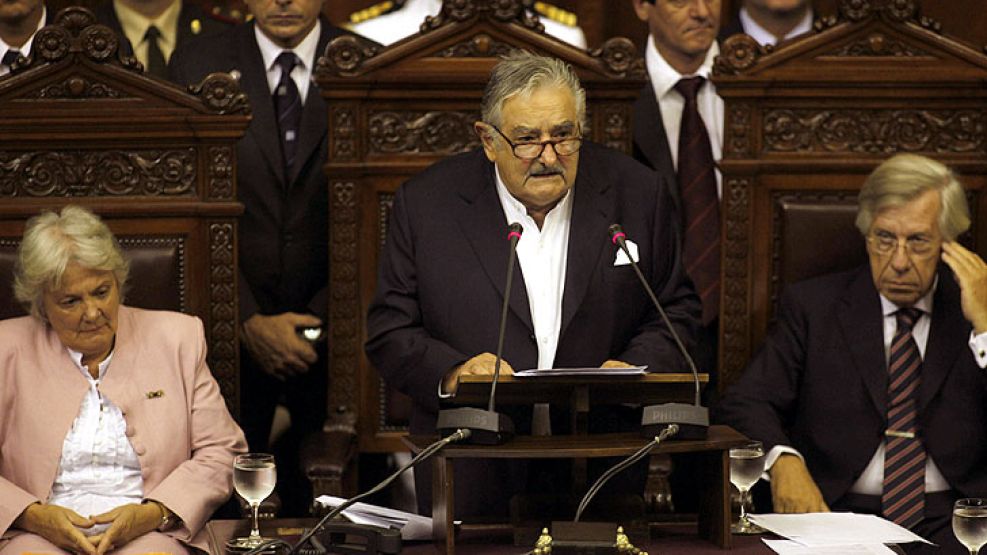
{"x": 283, "y": 233}
{"x": 19, "y": 21}
{"x": 771, "y": 21}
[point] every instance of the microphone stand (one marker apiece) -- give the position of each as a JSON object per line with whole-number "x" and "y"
{"x": 693, "y": 420}
{"x": 488, "y": 426}
{"x": 424, "y": 454}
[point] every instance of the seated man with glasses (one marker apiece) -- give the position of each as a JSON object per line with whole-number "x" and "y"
{"x": 871, "y": 392}
{"x": 575, "y": 302}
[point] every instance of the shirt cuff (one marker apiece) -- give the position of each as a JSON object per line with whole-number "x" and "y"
{"x": 772, "y": 456}
{"x": 978, "y": 344}
{"x": 443, "y": 394}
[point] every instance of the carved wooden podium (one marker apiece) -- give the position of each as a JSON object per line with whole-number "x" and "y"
{"x": 807, "y": 121}
{"x": 392, "y": 113}
{"x": 81, "y": 124}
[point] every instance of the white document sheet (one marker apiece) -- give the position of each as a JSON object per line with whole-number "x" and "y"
{"x": 791, "y": 547}
{"x": 631, "y": 371}
{"x": 412, "y": 526}
{"x": 828, "y": 529}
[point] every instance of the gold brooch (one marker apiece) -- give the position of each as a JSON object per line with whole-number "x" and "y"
{"x": 155, "y": 394}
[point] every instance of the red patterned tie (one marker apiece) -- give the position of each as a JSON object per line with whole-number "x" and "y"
{"x": 701, "y": 207}
{"x": 903, "y": 501}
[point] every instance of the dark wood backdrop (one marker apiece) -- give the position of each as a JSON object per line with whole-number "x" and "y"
{"x": 602, "y": 19}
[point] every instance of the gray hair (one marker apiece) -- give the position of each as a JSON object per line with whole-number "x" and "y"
{"x": 52, "y": 242}
{"x": 520, "y": 73}
{"x": 903, "y": 178}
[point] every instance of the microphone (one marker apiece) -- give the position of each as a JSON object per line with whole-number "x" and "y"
{"x": 692, "y": 420}
{"x": 488, "y": 427}
{"x": 392, "y": 541}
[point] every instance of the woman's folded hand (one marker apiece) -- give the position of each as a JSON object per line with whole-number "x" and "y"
{"x": 58, "y": 525}
{"x": 126, "y": 523}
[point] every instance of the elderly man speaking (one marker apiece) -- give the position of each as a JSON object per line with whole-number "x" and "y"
{"x": 577, "y": 303}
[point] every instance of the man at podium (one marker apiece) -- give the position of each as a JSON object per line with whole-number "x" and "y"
{"x": 577, "y": 301}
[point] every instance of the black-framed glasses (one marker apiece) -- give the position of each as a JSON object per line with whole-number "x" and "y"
{"x": 885, "y": 243}
{"x": 531, "y": 151}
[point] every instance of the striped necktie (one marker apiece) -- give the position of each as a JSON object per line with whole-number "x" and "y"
{"x": 9, "y": 57}
{"x": 700, "y": 204}
{"x": 288, "y": 106}
{"x": 903, "y": 500}
{"x": 156, "y": 64}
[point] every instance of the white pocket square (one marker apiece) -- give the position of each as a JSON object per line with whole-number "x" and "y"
{"x": 621, "y": 259}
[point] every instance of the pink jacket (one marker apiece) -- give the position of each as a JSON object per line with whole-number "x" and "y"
{"x": 176, "y": 418}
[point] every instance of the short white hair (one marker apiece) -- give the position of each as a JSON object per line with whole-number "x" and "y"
{"x": 51, "y": 242}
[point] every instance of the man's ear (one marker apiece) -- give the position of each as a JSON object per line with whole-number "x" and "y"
{"x": 487, "y": 139}
{"x": 642, "y": 9}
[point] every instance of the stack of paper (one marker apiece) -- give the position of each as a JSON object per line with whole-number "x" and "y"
{"x": 583, "y": 372}
{"x": 833, "y": 533}
{"x": 412, "y": 526}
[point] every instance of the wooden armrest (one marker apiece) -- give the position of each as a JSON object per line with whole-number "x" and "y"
{"x": 325, "y": 457}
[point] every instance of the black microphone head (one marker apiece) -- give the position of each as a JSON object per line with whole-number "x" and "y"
{"x": 617, "y": 234}
{"x": 515, "y": 229}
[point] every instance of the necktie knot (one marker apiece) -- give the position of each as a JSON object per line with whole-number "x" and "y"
{"x": 9, "y": 57}
{"x": 907, "y": 317}
{"x": 689, "y": 87}
{"x": 152, "y": 34}
{"x": 287, "y": 61}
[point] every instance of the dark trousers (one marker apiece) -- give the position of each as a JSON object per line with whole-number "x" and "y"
{"x": 935, "y": 527}
{"x": 304, "y": 396}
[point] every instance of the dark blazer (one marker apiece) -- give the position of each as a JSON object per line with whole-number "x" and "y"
{"x": 651, "y": 142}
{"x": 443, "y": 269}
{"x": 819, "y": 384}
{"x": 208, "y": 25}
{"x": 283, "y": 233}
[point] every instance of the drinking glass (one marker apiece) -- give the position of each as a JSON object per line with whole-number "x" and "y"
{"x": 970, "y": 523}
{"x": 746, "y": 467}
{"x": 254, "y": 476}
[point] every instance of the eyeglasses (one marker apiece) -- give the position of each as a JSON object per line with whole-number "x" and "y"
{"x": 531, "y": 151}
{"x": 885, "y": 243}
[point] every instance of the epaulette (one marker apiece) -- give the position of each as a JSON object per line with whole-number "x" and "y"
{"x": 228, "y": 12}
{"x": 385, "y": 7}
{"x": 556, "y": 14}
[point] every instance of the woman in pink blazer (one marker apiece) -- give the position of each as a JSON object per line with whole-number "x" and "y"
{"x": 114, "y": 437}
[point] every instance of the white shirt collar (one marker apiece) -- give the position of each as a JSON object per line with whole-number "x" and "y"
{"x": 764, "y": 37}
{"x": 77, "y": 359}
{"x": 924, "y": 304}
{"x": 664, "y": 76}
{"x": 25, "y": 49}
{"x": 305, "y": 49}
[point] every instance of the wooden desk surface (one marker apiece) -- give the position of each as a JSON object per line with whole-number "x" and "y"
{"x": 645, "y": 388}
{"x": 678, "y": 539}
{"x": 587, "y": 446}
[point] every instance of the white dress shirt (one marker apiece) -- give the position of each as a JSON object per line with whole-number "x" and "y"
{"x": 871, "y": 480}
{"x": 542, "y": 254}
{"x": 670, "y": 102}
{"x": 99, "y": 469}
{"x": 302, "y": 73}
{"x": 25, "y": 48}
{"x": 765, "y": 37}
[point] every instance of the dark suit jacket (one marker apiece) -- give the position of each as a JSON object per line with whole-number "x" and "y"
{"x": 819, "y": 384}
{"x": 283, "y": 233}
{"x": 443, "y": 269}
{"x": 190, "y": 12}
{"x": 651, "y": 141}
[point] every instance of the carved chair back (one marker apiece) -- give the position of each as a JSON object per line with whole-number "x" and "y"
{"x": 807, "y": 121}
{"x": 392, "y": 113}
{"x": 83, "y": 125}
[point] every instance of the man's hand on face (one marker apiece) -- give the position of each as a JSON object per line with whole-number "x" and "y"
{"x": 792, "y": 488}
{"x": 480, "y": 365}
{"x": 274, "y": 342}
{"x": 971, "y": 274}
